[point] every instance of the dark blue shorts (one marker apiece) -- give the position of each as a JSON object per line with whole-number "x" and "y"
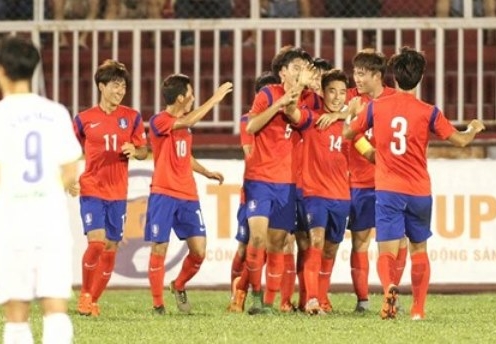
{"x": 165, "y": 213}
{"x": 98, "y": 213}
{"x": 400, "y": 214}
{"x": 362, "y": 211}
{"x": 301, "y": 214}
{"x": 243, "y": 232}
{"x": 275, "y": 201}
{"x": 329, "y": 214}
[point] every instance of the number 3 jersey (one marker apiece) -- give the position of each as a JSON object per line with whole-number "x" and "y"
{"x": 173, "y": 174}
{"x": 402, "y": 125}
{"x": 102, "y": 135}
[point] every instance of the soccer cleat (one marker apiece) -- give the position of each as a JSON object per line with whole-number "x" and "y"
{"x": 417, "y": 317}
{"x": 237, "y": 304}
{"x": 159, "y": 310}
{"x": 95, "y": 310}
{"x": 326, "y": 307}
{"x": 181, "y": 299}
{"x": 268, "y": 310}
{"x": 84, "y": 304}
{"x": 388, "y": 310}
{"x": 312, "y": 307}
{"x": 362, "y": 306}
{"x": 288, "y": 307}
{"x": 256, "y": 306}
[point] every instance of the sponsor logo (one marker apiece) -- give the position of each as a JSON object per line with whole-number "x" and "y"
{"x": 94, "y": 125}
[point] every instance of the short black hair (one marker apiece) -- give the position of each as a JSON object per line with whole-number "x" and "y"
{"x": 334, "y": 75}
{"x": 371, "y": 60}
{"x": 408, "y": 67}
{"x": 173, "y": 86}
{"x": 18, "y": 57}
{"x": 284, "y": 57}
{"x": 111, "y": 70}
{"x": 322, "y": 64}
{"x": 266, "y": 78}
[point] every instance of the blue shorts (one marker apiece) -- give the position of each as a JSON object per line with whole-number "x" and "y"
{"x": 275, "y": 201}
{"x": 165, "y": 213}
{"x": 330, "y": 214}
{"x": 243, "y": 232}
{"x": 98, "y": 213}
{"x": 399, "y": 215}
{"x": 362, "y": 211}
{"x": 301, "y": 214}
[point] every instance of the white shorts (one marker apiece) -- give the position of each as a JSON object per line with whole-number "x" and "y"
{"x": 32, "y": 273}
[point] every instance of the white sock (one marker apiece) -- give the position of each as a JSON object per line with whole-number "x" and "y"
{"x": 57, "y": 329}
{"x": 14, "y": 333}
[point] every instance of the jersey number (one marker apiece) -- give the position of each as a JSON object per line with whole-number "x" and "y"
{"x": 335, "y": 143}
{"x": 181, "y": 150}
{"x": 398, "y": 146}
{"x": 110, "y": 142}
{"x": 32, "y": 151}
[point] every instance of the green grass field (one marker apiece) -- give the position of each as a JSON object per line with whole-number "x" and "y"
{"x": 127, "y": 318}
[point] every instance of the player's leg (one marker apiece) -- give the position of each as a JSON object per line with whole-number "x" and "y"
{"x": 302, "y": 243}
{"x": 57, "y": 326}
{"x": 16, "y": 328}
{"x": 401, "y": 260}
{"x": 289, "y": 275}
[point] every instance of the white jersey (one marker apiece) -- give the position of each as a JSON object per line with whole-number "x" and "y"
{"x": 36, "y": 138}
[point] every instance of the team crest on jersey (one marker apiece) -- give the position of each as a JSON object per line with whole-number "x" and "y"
{"x": 123, "y": 124}
{"x": 309, "y": 218}
{"x": 252, "y": 205}
{"x": 155, "y": 230}
{"x": 88, "y": 219}
{"x": 242, "y": 230}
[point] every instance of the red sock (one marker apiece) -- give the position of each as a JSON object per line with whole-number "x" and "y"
{"x": 325, "y": 279}
{"x": 102, "y": 274}
{"x": 300, "y": 263}
{"x": 273, "y": 275}
{"x": 386, "y": 268}
{"x": 191, "y": 265}
{"x": 288, "y": 278}
{"x": 237, "y": 266}
{"x": 359, "y": 262}
{"x": 311, "y": 272}
{"x": 255, "y": 259}
{"x": 243, "y": 281}
{"x": 156, "y": 274}
{"x": 400, "y": 264}
{"x": 420, "y": 274}
{"x": 89, "y": 263}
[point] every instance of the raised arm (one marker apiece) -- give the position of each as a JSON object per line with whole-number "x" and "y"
{"x": 463, "y": 138}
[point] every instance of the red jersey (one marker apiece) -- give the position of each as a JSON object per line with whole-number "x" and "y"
{"x": 173, "y": 174}
{"x": 105, "y": 174}
{"x": 246, "y": 139}
{"x": 325, "y": 162}
{"x": 402, "y": 124}
{"x": 272, "y": 150}
{"x": 361, "y": 170}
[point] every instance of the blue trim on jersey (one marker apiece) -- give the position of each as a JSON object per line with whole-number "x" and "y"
{"x": 370, "y": 115}
{"x": 308, "y": 122}
{"x": 137, "y": 121}
{"x": 155, "y": 130}
{"x": 432, "y": 120}
{"x": 79, "y": 125}
{"x": 316, "y": 101}
{"x": 268, "y": 94}
{"x": 244, "y": 118}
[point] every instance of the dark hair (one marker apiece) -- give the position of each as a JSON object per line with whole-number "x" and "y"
{"x": 266, "y": 78}
{"x": 173, "y": 86}
{"x": 285, "y": 56}
{"x": 18, "y": 57}
{"x": 408, "y": 67}
{"x": 322, "y": 64}
{"x": 334, "y": 75}
{"x": 111, "y": 70}
{"x": 371, "y": 60}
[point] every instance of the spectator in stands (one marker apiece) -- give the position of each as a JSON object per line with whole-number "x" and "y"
{"x": 189, "y": 9}
{"x": 445, "y": 8}
{"x": 16, "y": 10}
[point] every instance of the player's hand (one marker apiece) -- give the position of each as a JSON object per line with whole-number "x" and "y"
{"x": 355, "y": 106}
{"x": 74, "y": 189}
{"x": 326, "y": 120}
{"x": 290, "y": 97}
{"x": 215, "y": 175}
{"x": 128, "y": 150}
{"x": 221, "y": 92}
{"x": 308, "y": 75}
{"x": 477, "y": 125}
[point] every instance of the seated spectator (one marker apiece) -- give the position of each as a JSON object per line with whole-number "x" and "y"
{"x": 75, "y": 9}
{"x": 192, "y": 9}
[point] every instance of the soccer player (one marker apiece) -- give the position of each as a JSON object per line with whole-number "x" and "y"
{"x": 111, "y": 134}
{"x": 269, "y": 180}
{"x": 37, "y": 162}
{"x": 326, "y": 193}
{"x": 173, "y": 201}
{"x": 369, "y": 68}
{"x": 239, "y": 274}
{"x": 402, "y": 124}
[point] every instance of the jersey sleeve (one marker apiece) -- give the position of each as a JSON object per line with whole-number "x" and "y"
{"x": 440, "y": 125}
{"x": 161, "y": 124}
{"x": 138, "y": 138}
{"x": 263, "y": 100}
{"x": 246, "y": 139}
{"x": 69, "y": 146}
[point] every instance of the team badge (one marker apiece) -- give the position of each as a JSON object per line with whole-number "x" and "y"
{"x": 122, "y": 123}
{"x": 88, "y": 219}
{"x": 242, "y": 230}
{"x": 309, "y": 218}
{"x": 252, "y": 205}
{"x": 155, "y": 230}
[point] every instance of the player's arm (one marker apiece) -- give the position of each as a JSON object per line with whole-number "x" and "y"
{"x": 246, "y": 150}
{"x": 131, "y": 151}
{"x": 196, "y": 115}
{"x": 68, "y": 174}
{"x": 463, "y": 138}
{"x": 365, "y": 148}
{"x": 199, "y": 168}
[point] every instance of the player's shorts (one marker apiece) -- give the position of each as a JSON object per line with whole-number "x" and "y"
{"x": 165, "y": 213}
{"x": 362, "y": 211}
{"x": 243, "y": 232}
{"x": 30, "y": 273}
{"x": 275, "y": 201}
{"x": 98, "y": 213}
{"x": 400, "y": 214}
{"x": 301, "y": 214}
{"x": 330, "y": 214}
